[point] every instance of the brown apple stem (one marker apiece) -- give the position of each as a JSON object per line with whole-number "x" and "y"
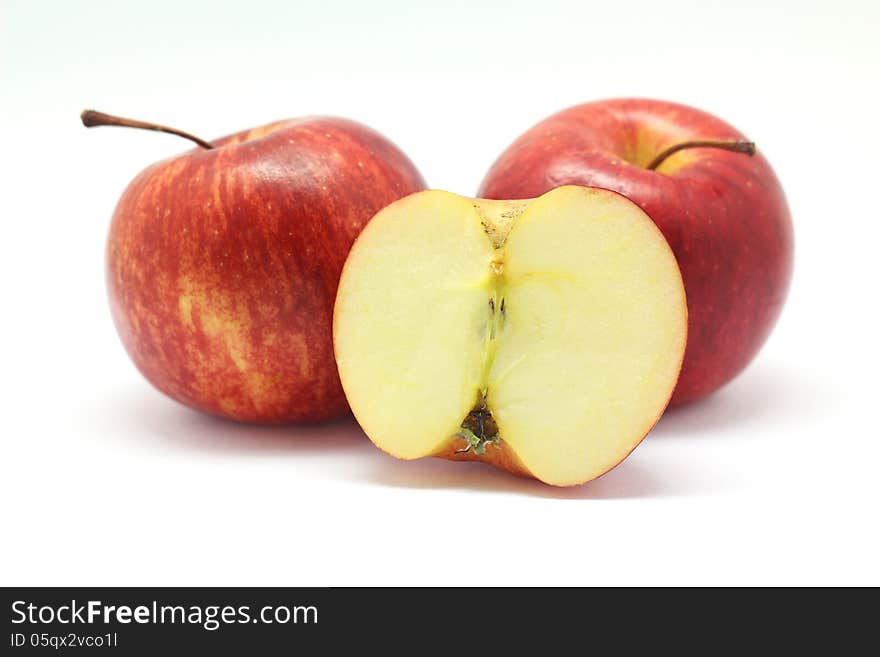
{"x": 91, "y": 119}
{"x": 747, "y": 147}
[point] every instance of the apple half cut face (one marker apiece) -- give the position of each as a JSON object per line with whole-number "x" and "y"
{"x": 543, "y": 336}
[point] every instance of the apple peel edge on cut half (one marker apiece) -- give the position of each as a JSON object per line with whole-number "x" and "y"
{"x": 542, "y": 336}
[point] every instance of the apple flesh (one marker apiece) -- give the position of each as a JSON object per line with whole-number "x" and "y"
{"x": 542, "y": 336}
{"x": 724, "y": 214}
{"x": 222, "y": 263}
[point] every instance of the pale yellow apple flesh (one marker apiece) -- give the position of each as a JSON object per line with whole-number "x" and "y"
{"x": 544, "y": 336}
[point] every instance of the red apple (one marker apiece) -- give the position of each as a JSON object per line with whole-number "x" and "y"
{"x": 223, "y": 262}
{"x": 724, "y": 213}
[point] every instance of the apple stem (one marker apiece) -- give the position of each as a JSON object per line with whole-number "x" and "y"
{"x": 91, "y": 119}
{"x": 747, "y": 147}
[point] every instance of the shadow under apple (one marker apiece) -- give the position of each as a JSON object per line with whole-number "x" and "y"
{"x": 761, "y": 395}
{"x": 631, "y": 479}
{"x": 148, "y": 416}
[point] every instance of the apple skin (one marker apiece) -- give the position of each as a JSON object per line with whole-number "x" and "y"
{"x": 222, "y": 264}
{"x": 724, "y": 214}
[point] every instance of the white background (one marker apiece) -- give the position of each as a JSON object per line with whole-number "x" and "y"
{"x": 105, "y": 482}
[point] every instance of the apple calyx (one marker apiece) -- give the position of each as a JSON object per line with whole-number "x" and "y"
{"x": 91, "y": 119}
{"x": 479, "y": 429}
{"x": 747, "y": 147}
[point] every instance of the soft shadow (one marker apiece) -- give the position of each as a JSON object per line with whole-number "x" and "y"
{"x": 174, "y": 426}
{"x": 628, "y": 480}
{"x": 758, "y": 396}
{"x": 145, "y": 417}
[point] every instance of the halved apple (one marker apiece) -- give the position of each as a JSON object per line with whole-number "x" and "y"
{"x": 544, "y": 336}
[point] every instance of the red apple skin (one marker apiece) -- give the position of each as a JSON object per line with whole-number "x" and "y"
{"x": 222, "y": 264}
{"x": 724, "y": 214}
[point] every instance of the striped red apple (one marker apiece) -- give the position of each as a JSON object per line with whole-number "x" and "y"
{"x": 223, "y": 262}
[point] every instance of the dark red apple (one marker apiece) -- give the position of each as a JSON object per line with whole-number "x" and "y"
{"x": 723, "y": 212}
{"x": 223, "y": 262}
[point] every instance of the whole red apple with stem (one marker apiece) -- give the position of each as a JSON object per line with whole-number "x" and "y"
{"x": 223, "y": 262}
{"x": 717, "y": 202}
